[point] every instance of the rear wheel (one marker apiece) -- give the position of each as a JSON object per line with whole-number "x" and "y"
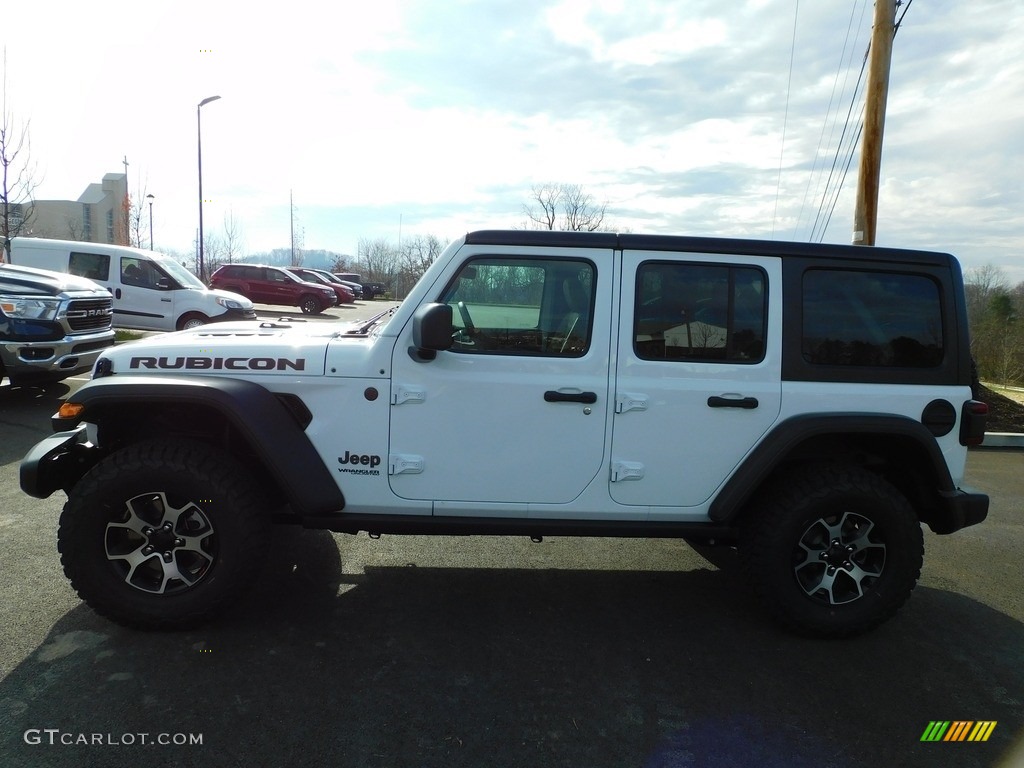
{"x": 834, "y": 551}
{"x": 163, "y": 534}
{"x": 310, "y": 305}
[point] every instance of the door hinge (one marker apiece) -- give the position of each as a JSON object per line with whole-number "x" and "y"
{"x": 631, "y": 401}
{"x": 627, "y": 470}
{"x": 404, "y": 464}
{"x": 401, "y": 394}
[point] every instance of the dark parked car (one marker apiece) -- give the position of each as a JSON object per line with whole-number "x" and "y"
{"x": 274, "y": 285}
{"x": 373, "y": 290}
{"x": 344, "y": 291}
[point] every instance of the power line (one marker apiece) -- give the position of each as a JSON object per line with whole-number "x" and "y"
{"x": 843, "y": 69}
{"x": 860, "y": 128}
{"x": 785, "y": 118}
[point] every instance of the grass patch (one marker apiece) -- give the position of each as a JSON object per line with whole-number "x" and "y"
{"x": 1014, "y": 394}
{"x": 121, "y": 335}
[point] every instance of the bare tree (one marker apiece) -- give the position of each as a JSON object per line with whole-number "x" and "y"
{"x": 997, "y": 336}
{"x": 378, "y": 259}
{"x": 341, "y": 264}
{"x": 234, "y": 242}
{"x": 418, "y": 253}
{"x": 566, "y": 207}
{"x": 76, "y": 227}
{"x": 17, "y": 185}
{"x": 138, "y": 224}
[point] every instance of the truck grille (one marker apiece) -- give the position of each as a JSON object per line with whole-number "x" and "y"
{"x": 90, "y": 314}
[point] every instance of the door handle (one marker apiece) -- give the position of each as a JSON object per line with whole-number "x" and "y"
{"x": 552, "y": 396}
{"x": 747, "y": 403}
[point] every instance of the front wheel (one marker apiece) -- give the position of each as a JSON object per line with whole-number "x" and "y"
{"x": 833, "y": 551}
{"x": 310, "y": 305}
{"x": 192, "y": 320}
{"x": 163, "y": 534}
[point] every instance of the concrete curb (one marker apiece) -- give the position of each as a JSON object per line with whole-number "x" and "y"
{"x": 1003, "y": 440}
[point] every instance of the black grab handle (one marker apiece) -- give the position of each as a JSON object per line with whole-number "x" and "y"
{"x": 727, "y": 402}
{"x": 551, "y": 396}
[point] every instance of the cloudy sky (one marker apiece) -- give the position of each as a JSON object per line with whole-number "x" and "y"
{"x": 391, "y": 118}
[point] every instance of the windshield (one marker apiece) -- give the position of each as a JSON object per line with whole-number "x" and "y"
{"x": 179, "y": 273}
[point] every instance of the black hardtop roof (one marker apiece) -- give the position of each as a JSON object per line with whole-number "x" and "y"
{"x": 637, "y": 242}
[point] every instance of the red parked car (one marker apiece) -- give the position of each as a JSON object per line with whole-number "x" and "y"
{"x": 274, "y": 285}
{"x": 345, "y": 296}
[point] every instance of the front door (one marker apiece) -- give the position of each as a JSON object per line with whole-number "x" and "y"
{"x": 515, "y": 413}
{"x": 142, "y": 301}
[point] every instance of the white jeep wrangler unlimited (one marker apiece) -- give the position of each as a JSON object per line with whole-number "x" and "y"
{"x": 808, "y": 405}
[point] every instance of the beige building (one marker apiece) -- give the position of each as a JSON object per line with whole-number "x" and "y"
{"x": 98, "y": 216}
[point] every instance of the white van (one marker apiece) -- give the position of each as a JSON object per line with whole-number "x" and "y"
{"x": 151, "y": 291}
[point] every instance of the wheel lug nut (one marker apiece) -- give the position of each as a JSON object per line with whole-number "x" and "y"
{"x": 147, "y": 550}
{"x": 179, "y": 542}
{"x": 167, "y": 557}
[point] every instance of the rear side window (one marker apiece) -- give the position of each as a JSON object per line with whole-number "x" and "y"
{"x": 709, "y": 313}
{"x": 871, "y": 319}
{"x": 95, "y": 266}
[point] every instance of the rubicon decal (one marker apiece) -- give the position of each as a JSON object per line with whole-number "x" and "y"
{"x": 958, "y": 730}
{"x": 220, "y": 363}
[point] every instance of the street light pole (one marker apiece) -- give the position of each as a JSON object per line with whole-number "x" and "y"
{"x": 199, "y": 145}
{"x": 151, "y": 198}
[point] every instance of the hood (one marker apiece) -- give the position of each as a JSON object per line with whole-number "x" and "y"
{"x": 29, "y": 281}
{"x": 230, "y": 349}
{"x": 243, "y": 303}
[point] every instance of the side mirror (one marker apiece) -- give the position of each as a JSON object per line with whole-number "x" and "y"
{"x": 431, "y": 331}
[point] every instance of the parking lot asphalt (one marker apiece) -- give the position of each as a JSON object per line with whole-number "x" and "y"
{"x": 486, "y": 651}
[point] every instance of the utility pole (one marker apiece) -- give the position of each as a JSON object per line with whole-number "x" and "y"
{"x": 865, "y": 216}
{"x": 291, "y": 223}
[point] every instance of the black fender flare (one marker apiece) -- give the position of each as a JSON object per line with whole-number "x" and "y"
{"x": 266, "y": 424}
{"x": 778, "y": 445}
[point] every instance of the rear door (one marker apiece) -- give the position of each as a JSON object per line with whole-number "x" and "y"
{"x": 698, "y": 373}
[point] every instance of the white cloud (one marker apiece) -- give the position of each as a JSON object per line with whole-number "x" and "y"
{"x": 446, "y": 114}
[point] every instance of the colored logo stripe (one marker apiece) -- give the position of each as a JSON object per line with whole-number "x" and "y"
{"x": 982, "y": 730}
{"x": 935, "y": 731}
{"x": 958, "y": 730}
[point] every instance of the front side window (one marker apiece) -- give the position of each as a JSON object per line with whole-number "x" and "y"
{"x": 522, "y": 306}
{"x": 874, "y": 319}
{"x": 700, "y": 313}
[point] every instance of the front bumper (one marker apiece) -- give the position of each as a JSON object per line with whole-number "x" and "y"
{"x": 233, "y": 315}
{"x": 27, "y": 361}
{"x": 56, "y": 462}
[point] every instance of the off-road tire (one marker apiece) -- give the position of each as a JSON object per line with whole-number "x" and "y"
{"x": 217, "y": 538}
{"x": 840, "y": 517}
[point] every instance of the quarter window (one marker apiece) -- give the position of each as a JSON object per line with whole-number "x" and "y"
{"x": 522, "y": 306}
{"x": 95, "y": 266}
{"x": 699, "y": 313}
{"x": 878, "y": 319}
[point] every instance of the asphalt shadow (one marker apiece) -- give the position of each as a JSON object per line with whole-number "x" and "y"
{"x": 412, "y": 666}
